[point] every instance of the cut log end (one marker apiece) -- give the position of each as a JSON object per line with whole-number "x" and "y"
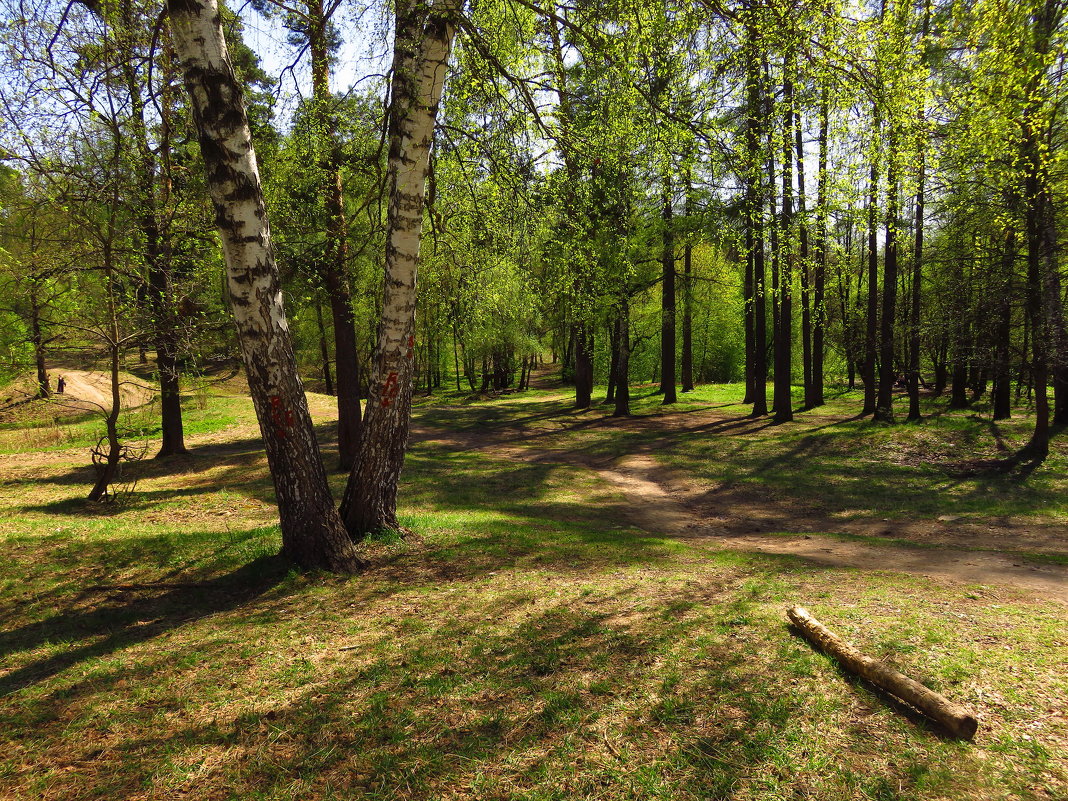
{"x": 957, "y": 720}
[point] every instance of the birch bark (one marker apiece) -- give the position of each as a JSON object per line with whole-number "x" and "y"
{"x": 312, "y": 532}
{"x": 424, "y": 33}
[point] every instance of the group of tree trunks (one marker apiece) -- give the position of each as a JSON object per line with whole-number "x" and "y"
{"x": 314, "y": 533}
{"x": 782, "y": 246}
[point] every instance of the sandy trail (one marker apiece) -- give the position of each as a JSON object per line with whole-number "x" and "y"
{"x": 656, "y": 509}
{"x": 85, "y": 390}
{"x": 93, "y": 390}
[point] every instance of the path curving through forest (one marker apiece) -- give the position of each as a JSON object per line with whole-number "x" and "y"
{"x": 656, "y": 509}
{"x": 747, "y": 519}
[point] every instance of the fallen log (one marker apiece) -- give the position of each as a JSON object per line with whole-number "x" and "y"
{"x": 955, "y": 718}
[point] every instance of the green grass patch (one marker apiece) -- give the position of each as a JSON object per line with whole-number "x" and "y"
{"x": 530, "y": 642}
{"x": 199, "y": 416}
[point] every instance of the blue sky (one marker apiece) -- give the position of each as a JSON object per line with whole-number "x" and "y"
{"x": 365, "y": 53}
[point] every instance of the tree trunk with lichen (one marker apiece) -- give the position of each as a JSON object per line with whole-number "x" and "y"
{"x": 422, "y": 43}
{"x": 312, "y": 532}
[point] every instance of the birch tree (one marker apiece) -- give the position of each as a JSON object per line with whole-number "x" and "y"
{"x": 312, "y": 532}
{"x": 423, "y": 40}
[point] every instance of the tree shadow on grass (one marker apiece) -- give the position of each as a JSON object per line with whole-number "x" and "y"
{"x": 501, "y": 699}
{"x": 239, "y": 465}
{"x": 819, "y": 474}
{"x": 131, "y": 614}
{"x": 1017, "y": 467}
{"x": 457, "y": 702}
{"x": 136, "y": 500}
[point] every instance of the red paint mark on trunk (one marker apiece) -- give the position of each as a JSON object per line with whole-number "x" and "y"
{"x": 411, "y": 346}
{"x": 390, "y": 388}
{"x": 281, "y": 417}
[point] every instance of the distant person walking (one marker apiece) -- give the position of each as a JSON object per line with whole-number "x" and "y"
{"x": 61, "y": 385}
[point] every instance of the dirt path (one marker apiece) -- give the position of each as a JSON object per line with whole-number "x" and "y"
{"x": 84, "y": 391}
{"x": 657, "y": 509}
{"x": 93, "y": 389}
{"x": 747, "y": 519}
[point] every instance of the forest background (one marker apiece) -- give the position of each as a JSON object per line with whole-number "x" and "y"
{"x": 801, "y": 191}
{"x": 846, "y": 216}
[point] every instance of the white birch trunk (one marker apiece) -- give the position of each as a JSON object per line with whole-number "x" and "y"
{"x": 421, "y": 52}
{"x": 312, "y": 533}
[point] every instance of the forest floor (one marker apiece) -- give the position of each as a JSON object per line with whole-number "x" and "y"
{"x": 587, "y": 608}
{"x": 1016, "y": 551}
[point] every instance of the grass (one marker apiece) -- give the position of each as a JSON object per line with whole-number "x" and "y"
{"x": 837, "y": 463}
{"x": 84, "y": 430}
{"x": 530, "y": 643}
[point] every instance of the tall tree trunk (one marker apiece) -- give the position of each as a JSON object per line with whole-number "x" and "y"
{"x": 754, "y": 214}
{"x": 749, "y": 311}
{"x": 819, "y": 311}
{"x": 773, "y": 224}
{"x": 1002, "y": 394}
{"x": 1036, "y": 245}
{"x": 849, "y": 323}
{"x": 871, "y": 338}
{"x": 583, "y": 365}
{"x": 312, "y": 532}
{"x": 884, "y": 407}
{"x": 422, "y": 43}
{"x": 44, "y": 386}
{"x": 157, "y": 245}
{"x": 567, "y": 361}
{"x": 324, "y": 349}
{"x": 913, "y": 367}
{"x": 107, "y": 463}
{"x": 958, "y": 388}
{"x": 687, "y": 300}
{"x": 1041, "y": 150}
{"x": 941, "y": 371}
{"x": 782, "y": 399}
{"x": 161, "y": 287}
{"x": 958, "y": 397}
{"x": 913, "y": 373}
{"x": 667, "y": 299}
{"x": 805, "y": 268}
{"x": 578, "y": 354}
{"x": 1038, "y": 226}
{"x": 333, "y": 268}
{"x": 1059, "y": 340}
{"x": 456, "y": 358}
{"x": 622, "y": 407}
{"x": 613, "y": 366}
